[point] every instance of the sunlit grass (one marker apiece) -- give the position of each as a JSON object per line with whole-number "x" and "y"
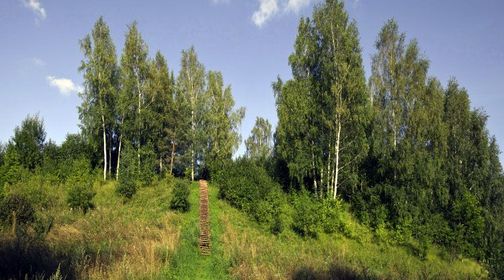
{"x": 118, "y": 240}
{"x": 255, "y": 253}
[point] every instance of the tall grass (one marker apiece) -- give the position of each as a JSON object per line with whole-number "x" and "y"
{"x": 256, "y": 254}
{"x": 116, "y": 240}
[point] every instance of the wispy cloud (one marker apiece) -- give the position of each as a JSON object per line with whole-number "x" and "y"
{"x": 38, "y": 62}
{"x": 65, "y": 86}
{"x": 270, "y": 8}
{"x": 267, "y": 9}
{"x": 36, "y": 7}
{"x": 297, "y": 5}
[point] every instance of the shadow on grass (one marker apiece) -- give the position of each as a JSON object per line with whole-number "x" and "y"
{"x": 32, "y": 259}
{"x": 334, "y": 273}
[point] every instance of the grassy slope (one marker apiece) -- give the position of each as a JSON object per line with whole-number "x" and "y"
{"x": 245, "y": 250}
{"x": 254, "y": 253}
{"x": 187, "y": 263}
{"x": 143, "y": 239}
{"x": 117, "y": 240}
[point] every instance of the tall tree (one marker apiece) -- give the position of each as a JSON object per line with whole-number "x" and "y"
{"x": 134, "y": 93}
{"x": 387, "y": 84}
{"x": 221, "y": 122}
{"x": 191, "y": 83}
{"x": 100, "y": 88}
{"x": 29, "y": 141}
{"x": 259, "y": 144}
{"x": 329, "y": 85}
{"x": 162, "y": 117}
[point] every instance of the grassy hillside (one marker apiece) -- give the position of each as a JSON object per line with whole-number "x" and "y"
{"x": 254, "y": 253}
{"x": 116, "y": 240}
{"x": 144, "y": 239}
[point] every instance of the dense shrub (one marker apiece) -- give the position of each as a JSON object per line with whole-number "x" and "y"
{"x": 306, "y": 221}
{"x": 330, "y": 215}
{"x": 81, "y": 196}
{"x": 23, "y": 209}
{"x": 127, "y": 187}
{"x": 37, "y": 188}
{"x": 180, "y": 201}
{"x": 247, "y": 186}
{"x": 128, "y": 178}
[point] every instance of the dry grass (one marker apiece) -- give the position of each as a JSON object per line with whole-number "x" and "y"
{"x": 120, "y": 241}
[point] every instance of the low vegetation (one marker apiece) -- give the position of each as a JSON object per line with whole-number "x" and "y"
{"x": 114, "y": 240}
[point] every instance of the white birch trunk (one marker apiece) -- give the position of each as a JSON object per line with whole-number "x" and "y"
{"x": 118, "y": 158}
{"x": 104, "y": 149}
{"x": 337, "y": 156}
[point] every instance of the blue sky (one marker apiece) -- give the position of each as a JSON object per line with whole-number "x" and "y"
{"x": 248, "y": 40}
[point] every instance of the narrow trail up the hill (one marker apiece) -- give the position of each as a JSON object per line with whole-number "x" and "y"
{"x": 204, "y": 237}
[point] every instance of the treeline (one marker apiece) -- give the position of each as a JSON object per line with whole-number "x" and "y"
{"x": 138, "y": 120}
{"x": 144, "y": 119}
{"x": 409, "y": 156}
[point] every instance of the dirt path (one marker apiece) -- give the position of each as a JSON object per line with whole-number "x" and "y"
{"x": 204, "y": 237}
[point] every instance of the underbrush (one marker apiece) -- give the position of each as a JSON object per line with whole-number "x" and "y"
{"x": 254, "y": 253}
{"x": 317, "y": 238}
{"x": 113, "y": 240}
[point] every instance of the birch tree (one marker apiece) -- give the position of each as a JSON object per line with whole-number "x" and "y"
{"x": 191, "y": 83}
{"x": 259, "y": 144}
{"x": 221, "y": 122}
{"x": 133, "y": 95}
{"x": 332, "y": 107}
{"x": 99, "y": 67}
{"x": 162, "y": 117}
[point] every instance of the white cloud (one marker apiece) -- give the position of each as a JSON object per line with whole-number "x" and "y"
{"x": 38, "y": 62}
{"x": 297, "y": 5}
{"x": 270, "y": 8}
{"x": 267, "y": 9}
{"x": 36, "y": 7}
{"x": 65, "y": 86}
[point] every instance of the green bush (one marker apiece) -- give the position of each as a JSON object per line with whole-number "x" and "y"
{"x": 81, "y": 197}
{"x": 331, "y": 216}
{"x": 180, "y": 201}
{"x": 247, "y": 186}
{"x": 129, "y": 173}
{"x": 23, "y": 209}
{"x": 126, "y": 187}
{"x": 282, "y": 217}
{"x": 306, "y": 220}
{"x": 37, "y": 189}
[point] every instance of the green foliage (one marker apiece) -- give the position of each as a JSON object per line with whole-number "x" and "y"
{"x": 81, "y": 196}
{"x": 330, "y": 216}
{"x": 306, "y": 220}
{"x": 259, "y": 144}
{"x": 129, "y": 179}
{"x": 18, "y": 206}
{"x": 323, "y": 111}
{"x": 247, "y": 186}
{"x": 11, "y": 171}
{"x": 221, "y": 122}
{"x": 191, "y": 89}
{"x": 127, "y": 187}
{"x": 101, "y": 77}
{"x": 179, "y": 200}
{"x": 28, "y": 141}
{"x": 468, "y": 224}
